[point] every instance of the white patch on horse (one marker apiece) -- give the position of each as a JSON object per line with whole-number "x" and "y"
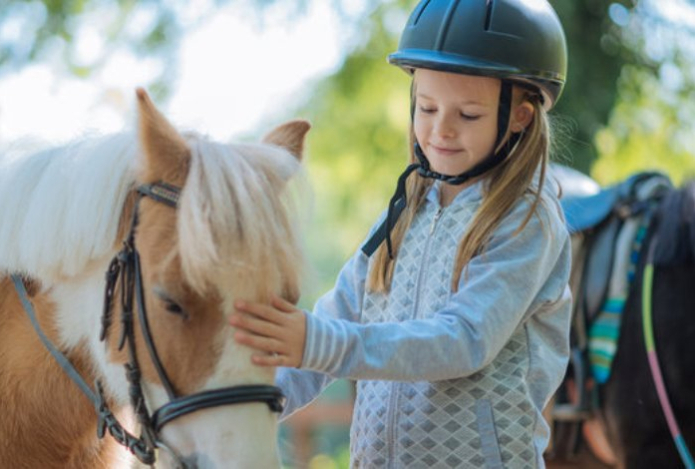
{"x": 79, "y": 303}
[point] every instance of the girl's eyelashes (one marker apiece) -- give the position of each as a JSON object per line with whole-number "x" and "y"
{"x": 464, "y": 116}
{"x": 470, "y": 117}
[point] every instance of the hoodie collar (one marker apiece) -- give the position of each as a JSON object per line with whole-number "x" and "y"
{"x": 470, "y": 194}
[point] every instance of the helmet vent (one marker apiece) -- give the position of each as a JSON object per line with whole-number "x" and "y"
{"x": 488, "y": 14}
{"x": 446, "y": 23}
{"x": 421, "y": 10}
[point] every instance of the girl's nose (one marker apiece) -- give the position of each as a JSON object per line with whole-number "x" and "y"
{"x": 445, "y": 128}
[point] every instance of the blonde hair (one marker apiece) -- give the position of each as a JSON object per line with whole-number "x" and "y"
{"x": 504, "y": 185}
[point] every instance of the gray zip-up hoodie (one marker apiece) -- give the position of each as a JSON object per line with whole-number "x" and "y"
{"x": 448, "y": 379}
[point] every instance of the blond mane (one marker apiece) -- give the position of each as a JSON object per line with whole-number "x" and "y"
{"x": 60, "y": 209}
{"x": 237, "y": 222}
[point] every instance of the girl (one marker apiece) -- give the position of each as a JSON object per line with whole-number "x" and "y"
{"x": 454, "y": 316}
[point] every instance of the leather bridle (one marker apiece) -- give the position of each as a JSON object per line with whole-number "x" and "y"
{"x": 125, "y": 268}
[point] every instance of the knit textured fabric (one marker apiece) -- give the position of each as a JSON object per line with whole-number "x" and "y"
{"x": 448, "y": 379}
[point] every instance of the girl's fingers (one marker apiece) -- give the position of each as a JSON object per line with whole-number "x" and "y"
{"x": 260, "y": 310}
{"x": 283, "y": 305}
{"x": 273, "y": 359}
{"x": 258, "y": 342}
{"x": 253, "y": 324}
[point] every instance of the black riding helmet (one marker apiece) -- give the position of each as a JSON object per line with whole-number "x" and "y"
{"x": 518, "y": 41}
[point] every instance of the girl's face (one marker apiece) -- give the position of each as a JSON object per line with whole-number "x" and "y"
{"x": 455, "y": 119}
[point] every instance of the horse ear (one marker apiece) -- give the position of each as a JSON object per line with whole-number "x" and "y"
{"x": 290, "y": 136}
{"x": 165, "y": 152}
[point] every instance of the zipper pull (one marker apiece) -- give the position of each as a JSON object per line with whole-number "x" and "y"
{"x": 436, "y": 218}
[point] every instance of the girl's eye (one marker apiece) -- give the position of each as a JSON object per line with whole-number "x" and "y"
{"x": 427, "y": 110}
{"x": 469, "y": 117}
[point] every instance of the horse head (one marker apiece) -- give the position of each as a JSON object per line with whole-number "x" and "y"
{"x": 227, "y": 235}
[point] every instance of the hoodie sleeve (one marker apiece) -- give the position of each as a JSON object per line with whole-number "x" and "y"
{"x": 519, "y": 275}
{"x": 342, "y": 303}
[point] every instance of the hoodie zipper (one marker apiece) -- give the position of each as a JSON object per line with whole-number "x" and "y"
{"x": 434, "y": 221}
{"x": 423, "y": 264}
{"x": 395, "y": 386}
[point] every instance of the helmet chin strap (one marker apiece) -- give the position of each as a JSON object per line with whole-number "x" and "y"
{"x": 422, "y": 166}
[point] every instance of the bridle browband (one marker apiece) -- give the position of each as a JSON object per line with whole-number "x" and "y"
{"x": 125, "y": 267}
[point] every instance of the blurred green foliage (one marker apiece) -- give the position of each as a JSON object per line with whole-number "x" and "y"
{"x": 48, "y": 31}
{"x": 627, "y": 105}
{"x": 618, "y": 114}
{"x": 646, "y": 131}
{"x": 604, "y": 37}
{"x": 358, "y": 146}
{"x": 597, "y": 54}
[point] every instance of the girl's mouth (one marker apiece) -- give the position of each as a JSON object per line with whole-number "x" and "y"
{"x": 445, "y": 150}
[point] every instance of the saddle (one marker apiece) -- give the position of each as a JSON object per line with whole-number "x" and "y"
{"x": 595, "y": 221}
{"x": 599, "y": 218}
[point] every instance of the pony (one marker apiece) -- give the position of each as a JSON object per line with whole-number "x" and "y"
{"x": 643, "y": 416}
{"x": 182, "y": 226}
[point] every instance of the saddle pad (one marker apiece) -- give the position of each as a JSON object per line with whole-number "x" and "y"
{"x": 605, "y": 330}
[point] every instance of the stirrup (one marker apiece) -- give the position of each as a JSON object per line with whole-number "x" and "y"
{"x": 581, "y": 410}
{"x": 570, "y": 413}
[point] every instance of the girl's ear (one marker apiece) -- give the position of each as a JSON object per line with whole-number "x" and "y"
{"x": 522, "y": 115}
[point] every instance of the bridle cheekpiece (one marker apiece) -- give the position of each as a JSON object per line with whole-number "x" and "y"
{"x": 125, "y": 269}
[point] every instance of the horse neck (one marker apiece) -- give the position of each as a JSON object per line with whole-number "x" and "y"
{"x": 45, "y": 421}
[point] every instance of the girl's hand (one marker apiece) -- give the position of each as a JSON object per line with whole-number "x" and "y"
{"x": 278, "y": 330}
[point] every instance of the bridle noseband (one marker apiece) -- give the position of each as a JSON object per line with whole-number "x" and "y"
{"x": 125, "y": 267}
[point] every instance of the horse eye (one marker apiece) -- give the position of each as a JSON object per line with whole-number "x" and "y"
{"x": 174, "y": 308}
{"x": 170, "y": 305}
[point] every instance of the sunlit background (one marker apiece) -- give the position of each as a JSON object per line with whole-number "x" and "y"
{"x": 230, "y": 68}
{"x": 234, "y": 68}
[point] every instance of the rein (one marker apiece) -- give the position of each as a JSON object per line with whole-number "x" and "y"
{"x": 125, "y": 267}
{"x": 653, "y": 358}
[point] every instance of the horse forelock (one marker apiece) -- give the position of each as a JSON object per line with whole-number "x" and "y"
{"x": 237, "y": 223}
{"x": 60, "y": 208}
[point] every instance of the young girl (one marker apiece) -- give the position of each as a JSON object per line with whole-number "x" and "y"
{"x": 454, "y": 316}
